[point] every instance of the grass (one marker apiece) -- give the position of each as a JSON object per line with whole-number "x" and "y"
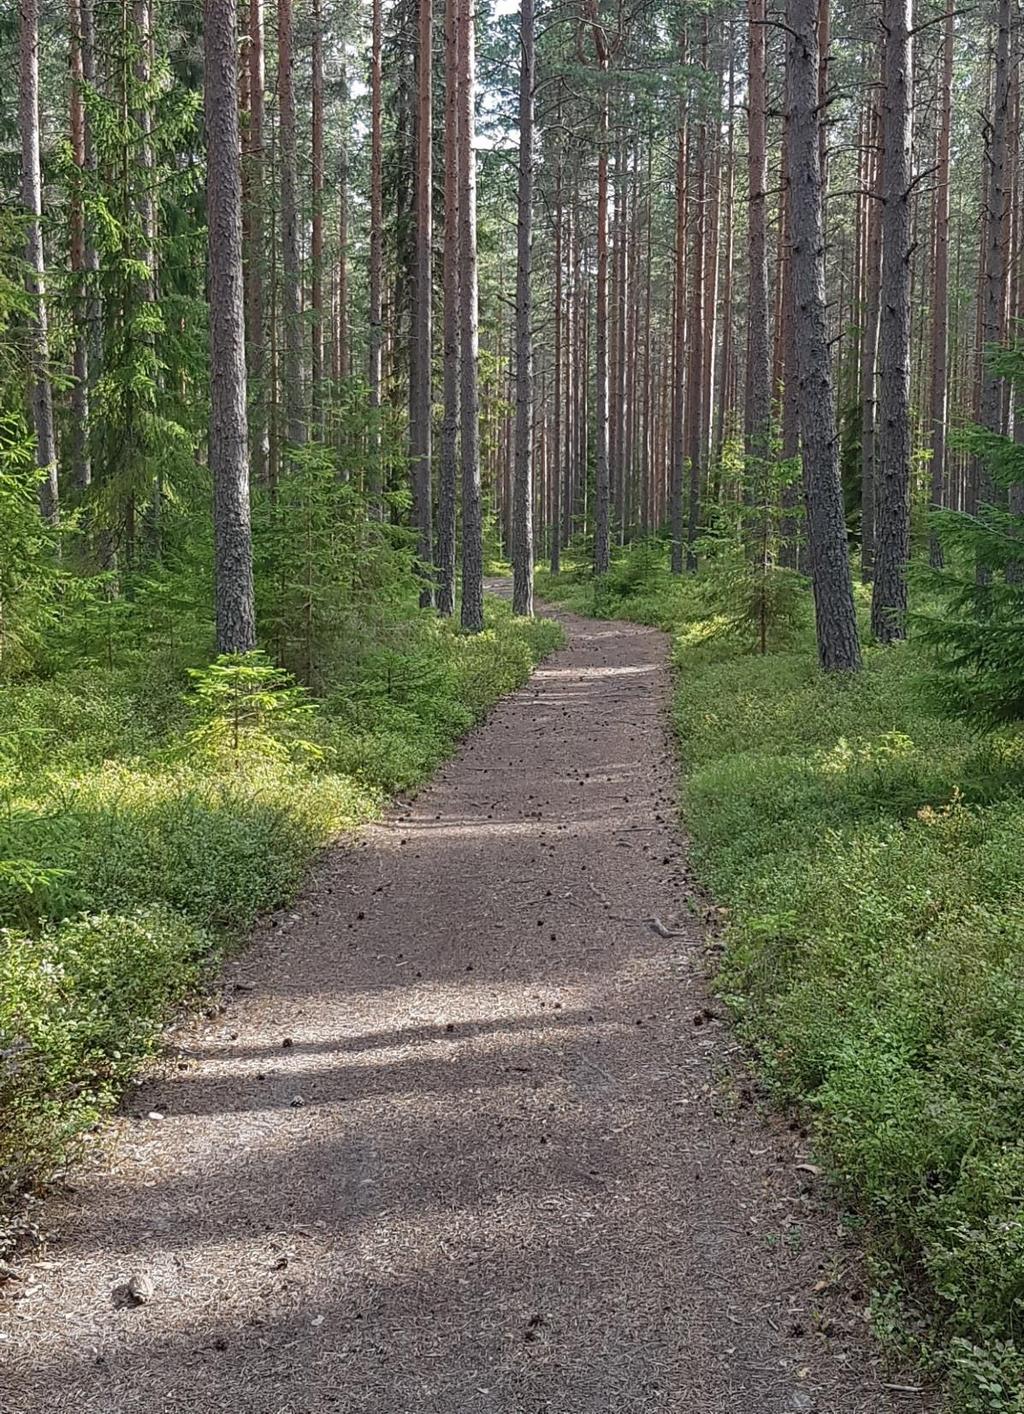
{"x": 135, "y": 846}
{"x": 869, "y": 853}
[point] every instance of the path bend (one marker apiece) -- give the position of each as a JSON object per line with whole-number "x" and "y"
{"x": 468, "y": 1138}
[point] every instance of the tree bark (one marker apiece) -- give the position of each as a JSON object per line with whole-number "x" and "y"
{"x": 317, "y": 240}
{"x": 892, "y": 502}
{"x": 253, "y": 234}
{"x": 291, "y": 292}
{"x": 41, "y": 396}
{"x": 758, "y": 399}
{"x": 522, "y": 493}
{"x": 450, "y": 423}
{"x": 420, "y": 357}
{"x": 869, "y": 373}
{"x": 940, "y": 289}
{"x": 995, "y": 263}
{"x": 472, "y": 507}
{"x": 229, "y": 461}
{"x": 836, "y": 622}
{"x": 82, "y": 254}
{"x": 376, "y": 251}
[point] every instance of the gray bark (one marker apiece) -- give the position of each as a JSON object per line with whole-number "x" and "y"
{"x": 446, "y": 523}
{"x": 999, "y": 187}
{"x": 376, "y": 247}
{"x": 869, "y": 380}
{"x": 835, "y": 618}
{"x": 522, "y": 489}
{"x": 940, "y": 288}
{"x": 291, "y": 293}
{"x": 758, "y": 400}
{"x": 82, "y": 251}
{"x": 472, "y": 509}
{"x": 255, "y": 332}
{"x": 420, "y": 353}
{"x": 602, "y": 482}
{"x": 229, "y": 461}
{"x": 41, "y": 397}
{"x": 892, "y": 482}
{"x": 555, "y": 528}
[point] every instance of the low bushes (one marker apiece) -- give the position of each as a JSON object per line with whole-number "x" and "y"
{"x": 143, "y": 824}
{"x": 869, "y": 853}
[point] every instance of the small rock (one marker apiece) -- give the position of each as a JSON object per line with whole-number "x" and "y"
{"x": 297, "y": 1102}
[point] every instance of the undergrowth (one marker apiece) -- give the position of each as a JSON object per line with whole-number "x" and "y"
{"x": 869, "y": 853}
{"x": 147, "y": 818}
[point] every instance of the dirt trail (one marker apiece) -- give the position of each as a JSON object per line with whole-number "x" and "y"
{"x": 465, "y": 1139}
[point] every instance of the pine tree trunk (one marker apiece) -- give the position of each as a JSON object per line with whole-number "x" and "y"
{"x": 472, "y": 506}
{"x": 892, "y": 504}
{"x": 679, "y": 352}
{"x": 758, "y": 399}
{"x": 940, "y": 289}
{"x": 342, "y": 327}
{"x": 995, "y": 254}
{"x": 602, "y": 483}
{"x": 522, "y": 510}
{"x": 869, "y": 374}
{"x": 35, "y": 276}
{"x": 229, "y": 461}
{"x": 317, "y": 241}
{"x": 81, "y": 468}
{"x": 450, "y": 278}
{"x": 695, "y": 338}
{"x": 836, "y": 620}
{"x": 253, "y": 235}
{"x": 421, "y": 350}
{"x": 375, "y": 371}
{"x": 555, "y": 546}
{"x": 291, "y": 292}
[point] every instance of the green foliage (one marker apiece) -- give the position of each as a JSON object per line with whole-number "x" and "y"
{"x": 868, "y": 851}
{"x": 149, "y": 813}
{"x": 80, "y": 1004}
{"x": 27, "y": 570}
{"x": 243, "y": 704}
{"x": 759, "y": 603}
{"x": 974, "y": 632}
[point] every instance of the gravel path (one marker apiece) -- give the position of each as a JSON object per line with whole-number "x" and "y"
{"x": 469, "y": 1136}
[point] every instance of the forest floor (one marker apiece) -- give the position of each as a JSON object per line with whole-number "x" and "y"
{"x": 469, "y": 1134}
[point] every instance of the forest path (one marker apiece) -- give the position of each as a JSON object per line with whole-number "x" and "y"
{"x": 465, "y": 1139}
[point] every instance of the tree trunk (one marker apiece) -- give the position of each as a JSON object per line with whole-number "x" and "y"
{"x": 472, "y": 507}
{"x": 522, "y": 493}
{"x": 376, "y": 251}
{"x": 869, "y": 373}
{"x": 450, "y": 423}
{"x": 995, "y": 254}
{"x": 82, "y": 256}
{"x": 940, "y": 289}
{"x": 758, "y": 399}
{"x": 836, "y": 619}
{"x": 695, "y": 338}
{"x": 41, "y": 396}
{"x": 291, "y": 293}
{"x": 420, "y": 357}
{"x": 892, "y": 503}
{"x": 679, "y": 350}
{"x": 555, "y": 545}
{"x": 317, "y": 242}
{"x": 253, "y": 233}
{"x": 229, "y": 461}
{"x": 602, "y": 484}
